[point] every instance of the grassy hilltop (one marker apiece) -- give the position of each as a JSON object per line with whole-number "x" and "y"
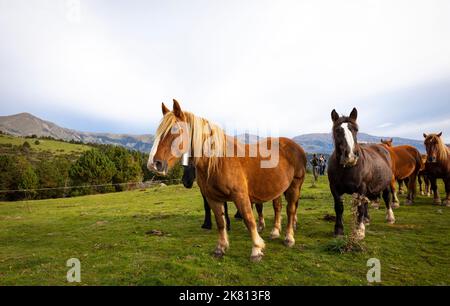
{"x": 153, "y": 237}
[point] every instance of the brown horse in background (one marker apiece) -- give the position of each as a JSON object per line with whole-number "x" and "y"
{"x": 223, "y": 176}
{"x": 423, "y": 178}
{"x": 438, "y": 165}
{"x": 406, "y": 164}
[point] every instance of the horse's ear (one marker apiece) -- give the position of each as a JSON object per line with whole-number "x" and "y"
{"x": 354, "y": 114}
{"x": 440, "y": 134}
{"x": 391, "y": 140}
{"x": 425, "y": 135}
{"x": 177, "y": 109}
{"x": 165, "y": 110}
{"x": 334, "y": 115}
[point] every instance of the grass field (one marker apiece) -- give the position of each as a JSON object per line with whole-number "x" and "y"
{"x": 53, "y": 146}
{"x": 111, "y": 234}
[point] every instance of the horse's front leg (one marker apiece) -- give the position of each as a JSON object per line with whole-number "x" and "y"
{"x": 447, "y": 191}
{"x": 390, "y": 218}
{"x": 339, "y": 211}
{"x": 437, "y": 198}
{"x": 244, "y": 205}
{"x": 396, "y": 201}
{"x": 223, "y": 244}
{"x": 276, "y": 231}
{"x": 261, "y": 222}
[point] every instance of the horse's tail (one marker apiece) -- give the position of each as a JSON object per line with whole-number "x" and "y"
{"x": 419, "y": 162}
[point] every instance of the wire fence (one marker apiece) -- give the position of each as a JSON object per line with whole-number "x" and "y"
{"x": 145, "y": 184}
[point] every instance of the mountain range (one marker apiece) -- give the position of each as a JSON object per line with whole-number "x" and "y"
{"x": 25, "y": 124}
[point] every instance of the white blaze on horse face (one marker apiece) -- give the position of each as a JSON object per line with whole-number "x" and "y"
{"x": 350, "y": 141}
{"x": 152, "y": 154}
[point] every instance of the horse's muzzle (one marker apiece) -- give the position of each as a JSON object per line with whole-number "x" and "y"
{"x": 432, "y": 159}
{"x": 158, "y": 166}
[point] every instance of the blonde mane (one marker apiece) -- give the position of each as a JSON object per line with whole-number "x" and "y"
{"x": 206, "y": 139}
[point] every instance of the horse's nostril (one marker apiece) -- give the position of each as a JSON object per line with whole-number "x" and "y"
{"x": 158, "y": 165}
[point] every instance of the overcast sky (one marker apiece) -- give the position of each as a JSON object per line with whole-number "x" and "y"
{"x": 281, "y": 65}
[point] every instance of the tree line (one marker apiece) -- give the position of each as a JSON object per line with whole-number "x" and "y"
{"x": 104, "y": 168}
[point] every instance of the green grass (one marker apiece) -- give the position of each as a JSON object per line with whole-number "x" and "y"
{"x": 53, "y": 146}
{"x": 110, "y": 234}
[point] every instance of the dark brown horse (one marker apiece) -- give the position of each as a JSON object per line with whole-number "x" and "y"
{"x": 361, "y": 169}
{"x": 406, "y": 164}
{"x": 438, "y": 165}
{"x": 228, "y": 170}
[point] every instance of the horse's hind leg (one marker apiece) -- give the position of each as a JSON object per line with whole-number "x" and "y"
{"x": 419, "y": 179}
{"x": 276, "y": 231}
{"x": 411, "y": 189}
{"x": 390, "y": 218}
{"x": 292, "y": 196}
{"x": 207, "y": 222}
{"x": 400, "y": 186}
{"x": 427, "y": 185}
{"x": 245, "y": 207}
{"x": 261, "y": 222}
{"x": 227, "y": 217}
{"x": 222, "y": 244}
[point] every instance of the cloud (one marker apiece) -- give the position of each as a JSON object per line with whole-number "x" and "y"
{"x": 285, "y": 64}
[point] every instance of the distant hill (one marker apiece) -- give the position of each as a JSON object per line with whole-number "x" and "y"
{"x": 25, "y": 124}
{"x": 323, "y": 142}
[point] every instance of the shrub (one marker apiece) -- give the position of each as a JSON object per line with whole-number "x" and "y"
{"x": 127, "y": 167}
{"x": 92, "y": 168}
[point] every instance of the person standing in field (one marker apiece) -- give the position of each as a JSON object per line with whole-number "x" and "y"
{"x": 315, "y": 168}
{"x": 322, "y": 164}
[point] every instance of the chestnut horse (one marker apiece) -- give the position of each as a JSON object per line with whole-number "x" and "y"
{"x": 438, "y": 165}
{"x": 223, "y": 176}
{"x": 188, "y": 181}
{"x": 361, "y": 169}
{"x": 422, "y": 179}
{"x": 406, "y": 164}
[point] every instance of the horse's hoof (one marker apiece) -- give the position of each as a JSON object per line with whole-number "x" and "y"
{"x": 375, "y": 205}
{"x": 218, "y": 253}
{"x": 261, "y": 228}
{"x": 289, "y": 242}
{"x": 437, "y": 202}
{"x": 428, "y": 194}
{"x": 275, "y": 234}
{"x": 446, "y": 203}
{"x": 366, "y": 221}
{"x": 207, "y": 226}
{"x": 338, "y": 233}
{"x": 256, "y": 258}
{"x": 395, "y": 204}
{"x": 422, "y": 193}
{"x": 390, "y": 221}
{"x": 408, "y": 202}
